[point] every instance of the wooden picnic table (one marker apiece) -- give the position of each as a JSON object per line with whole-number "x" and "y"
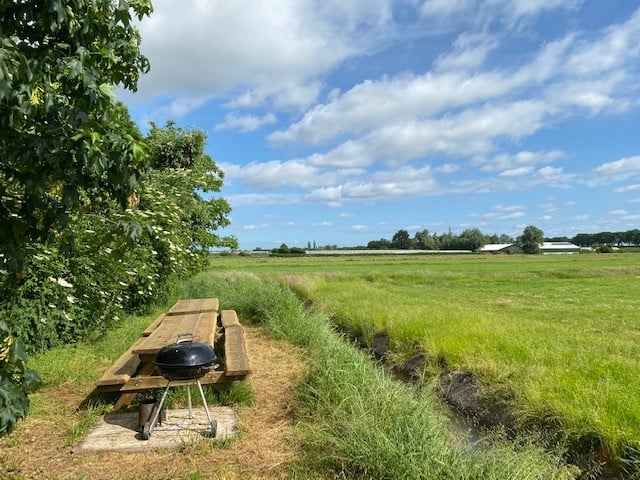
{"x": 134, "y": 371}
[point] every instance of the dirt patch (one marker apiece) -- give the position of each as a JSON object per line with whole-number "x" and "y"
{"x": 36, "y": 449}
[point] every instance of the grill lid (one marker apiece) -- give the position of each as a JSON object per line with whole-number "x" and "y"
{"x": 185, "y": 353}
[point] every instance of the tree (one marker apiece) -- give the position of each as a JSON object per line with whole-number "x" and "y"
{"x": 422, "y": 240}
{"x": 382, "y": 244}
{"x": 401, "y": 240}
{"x": 504, "y": 238}
{"x": 181, "y": 172}
{"x": 472, "y": 239}
{"x": 531, "y": 239}
{"x": 65, "y": 143}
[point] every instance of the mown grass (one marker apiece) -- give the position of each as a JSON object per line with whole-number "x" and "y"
{"x": 561, "y": 334}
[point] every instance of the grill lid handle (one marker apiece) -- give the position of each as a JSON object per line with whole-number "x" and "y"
{"x": 185, "y": 337}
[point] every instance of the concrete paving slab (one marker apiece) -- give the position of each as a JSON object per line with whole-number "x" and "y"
{"x": 119, "y": 431}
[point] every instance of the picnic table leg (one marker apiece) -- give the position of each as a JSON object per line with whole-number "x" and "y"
{"x": 126, "y": 398}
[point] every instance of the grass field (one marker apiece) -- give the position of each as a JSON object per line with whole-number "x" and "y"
{"x": 560, "y": 334}
{"x": 345, "y": 418}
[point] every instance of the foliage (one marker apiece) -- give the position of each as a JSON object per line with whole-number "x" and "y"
{"x": 16, "y": 380}
{"x": 67, "y": 147}
{"x": 470, "y": 239}
{"x": 65, "y": 142}
{"x": 285, "y": 250}
{"x": 382, "y": 244}
{"x": 627, "y": 238}
{"x": 401, "y": 240}
{"x": 120, "y": 260}
{"x": 531, "y": 239}
{"x": 422, "y": 240}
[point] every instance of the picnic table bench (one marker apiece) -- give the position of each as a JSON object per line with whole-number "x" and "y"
{"x": 134, "y": 371}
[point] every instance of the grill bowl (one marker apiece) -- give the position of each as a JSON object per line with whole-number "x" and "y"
{"x": 185, "y": 360}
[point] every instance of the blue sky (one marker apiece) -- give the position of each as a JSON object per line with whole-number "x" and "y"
{"x": 341, "y": 122}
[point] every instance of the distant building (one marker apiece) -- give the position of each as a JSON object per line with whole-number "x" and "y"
{"x": 546, "y": 247}
{"x": 495, "y": 247}
{"x": 559, "y": 247}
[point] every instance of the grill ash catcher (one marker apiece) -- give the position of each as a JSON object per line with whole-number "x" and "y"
{"x": 182, "y": 361}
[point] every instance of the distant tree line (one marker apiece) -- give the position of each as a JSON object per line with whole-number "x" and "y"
{"x": 474, "y": 239}
{"x": 470, "y": 239}
{"x": 630, "y": 238}
{"x": 286, "y": 250}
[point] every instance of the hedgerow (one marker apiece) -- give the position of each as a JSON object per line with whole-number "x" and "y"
{"x": 110, "y": 261}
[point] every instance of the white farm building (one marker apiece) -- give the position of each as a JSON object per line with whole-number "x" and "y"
{"x": 559, "y": 247}
{"x": 546, "y": 247}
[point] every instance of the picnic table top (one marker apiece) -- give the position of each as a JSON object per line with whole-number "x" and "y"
{"x": 134, "y": 370}
{"x": 194, "y": 305}
{"x": 202, "y": 326}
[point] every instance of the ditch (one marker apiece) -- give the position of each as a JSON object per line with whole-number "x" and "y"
{"x": 478, "y": 411}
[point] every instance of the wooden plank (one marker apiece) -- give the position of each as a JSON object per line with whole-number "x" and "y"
{"x": 229, "y": 318}
{"x": 205, "y": 332}
{"x": 128, "y": 397}
{"x": 146, "y": 382}
{"x": 149, "y": 330}
{"x": 235, "y": 352}
{"x": 167, "y": 333}
{"x": 122, "y": 369}
{"x": 194, "y": 305}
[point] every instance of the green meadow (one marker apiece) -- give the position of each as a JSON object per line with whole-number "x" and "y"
{"x": 559, "y": 335}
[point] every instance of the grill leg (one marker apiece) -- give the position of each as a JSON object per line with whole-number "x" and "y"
{"x": 212, "y": 423}
{"x": 189, "y": 401}
{"x": 204, "y": 400}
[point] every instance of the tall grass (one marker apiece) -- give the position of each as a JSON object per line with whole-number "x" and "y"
{"x": 564, "y": 340}
{"x": 355, "y": 420}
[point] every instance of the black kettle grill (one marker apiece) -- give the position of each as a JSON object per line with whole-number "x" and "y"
{"x": 184, "y": 360}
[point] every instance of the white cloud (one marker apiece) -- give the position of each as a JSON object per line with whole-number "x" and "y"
{"x": 380, "y": 185}
{"x": 246, "y": 123}
{"x": 270, "y": 50}
{"x": 471, "y": 132}
{"x": 322, "y": 224}
{"x": 618, "y": 170}
{"x": 263, "y": 226}
{"x": 627, "y": 188}
{"x": 470, "y": 51}
{"x": 553, "y": 176}
{"x": 445, "y": 8}
{"x": 521, "y": 160}
{"x": 500, "y": 212}
{"x": 482, "y": 13}
{"x": 403, "y": 98}
{"x": 447, "y": 168}
{"x": 617, "y": 47}
{"x": 258, "y": 199}
{"x": 517, "y": 172}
